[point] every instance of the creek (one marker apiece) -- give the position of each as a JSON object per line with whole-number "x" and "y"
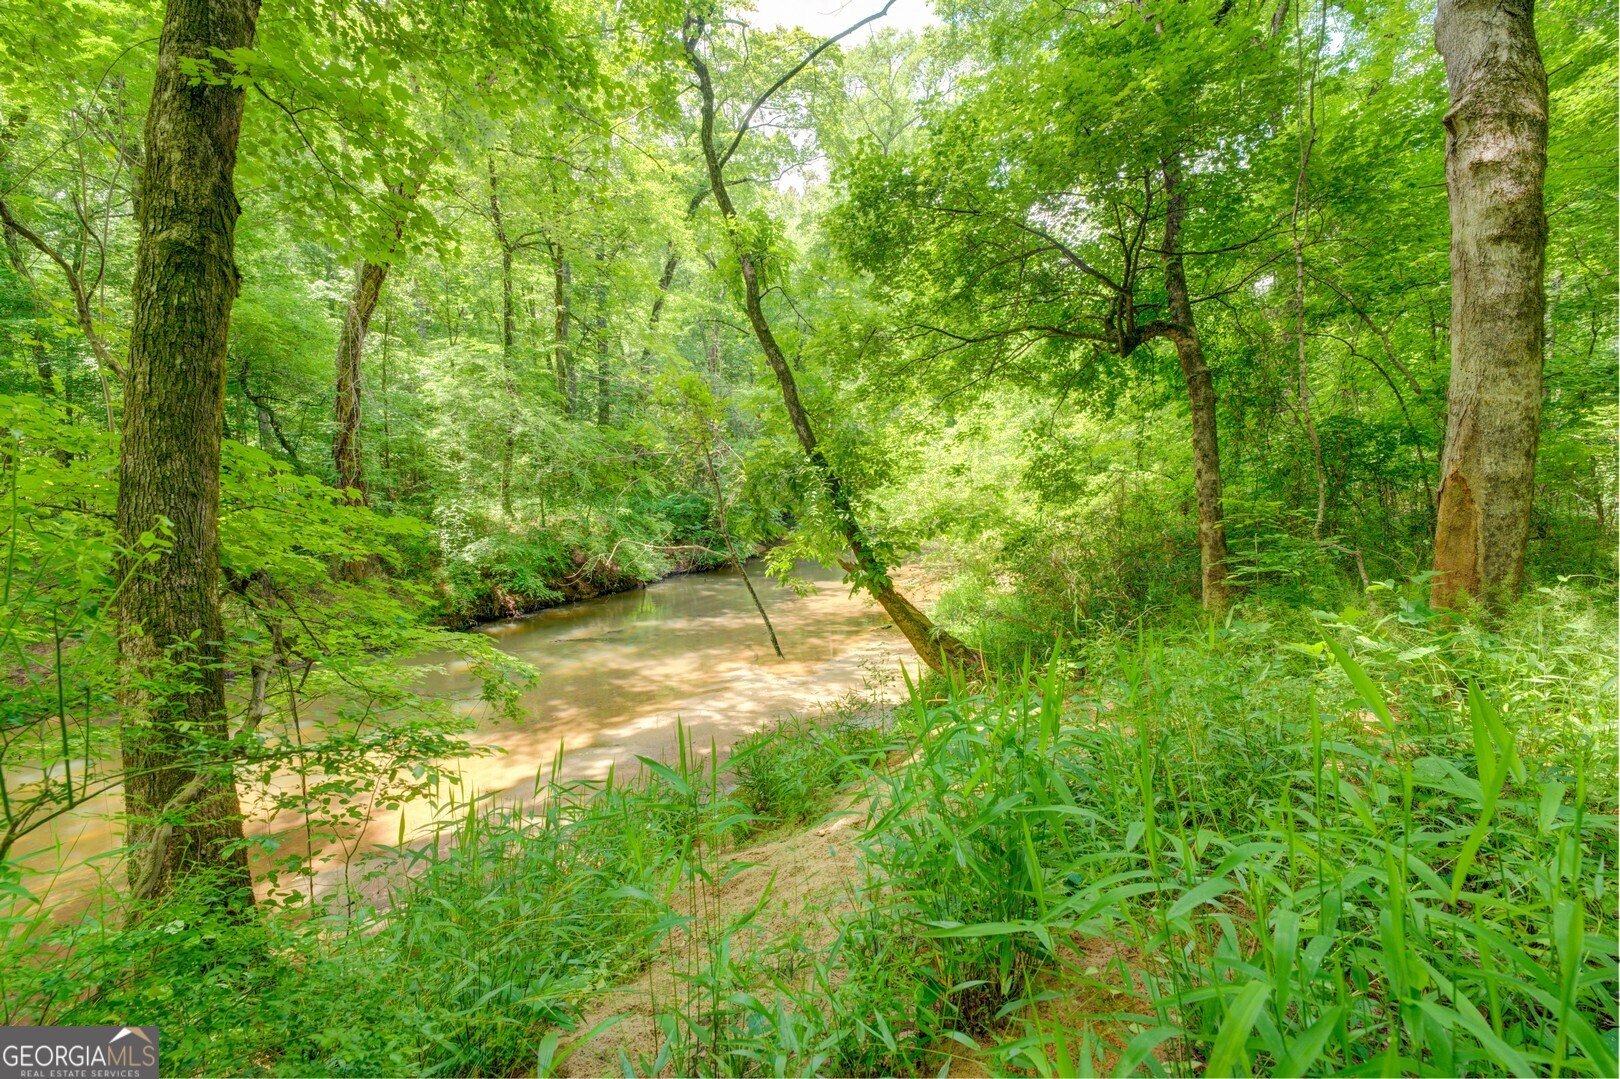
{"x": 616, "y": 675}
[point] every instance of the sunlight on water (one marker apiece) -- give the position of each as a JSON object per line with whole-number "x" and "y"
{"x": 616, "y": 673}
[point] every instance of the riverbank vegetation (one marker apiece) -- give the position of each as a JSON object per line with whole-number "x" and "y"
{"x": 1220, "y": 851}
{"x": 1236, "y": 382}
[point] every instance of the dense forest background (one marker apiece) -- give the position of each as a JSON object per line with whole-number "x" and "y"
{"x": 1110, "y": 319}
{"x": 548, "y": 333}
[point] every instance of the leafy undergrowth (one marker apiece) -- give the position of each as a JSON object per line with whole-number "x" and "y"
{"x": 488, "y": 568}
{"x": 791, "y": 773}
{"x": 1386, "y": 850}
{"x": 495, "y": 936}
{"x": 1359, "y": 844}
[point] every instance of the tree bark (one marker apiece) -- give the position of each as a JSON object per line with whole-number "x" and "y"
{"x": 672, "y": 261}
{"x": 562, "y": 278}
{"x": 508, "y": 340}
{"x": 1496, "y": 161}
{"x": 934, "y": 646}
{"x": 180, "y": 795}
{"x": 604, "y": 359}
{"x": 604, "y": 380}
{"x": 1305, "y": 103}
{"x": 368, "y": 285}
{"x": 42, "y": 358}
{"x": 1200, "y": 398}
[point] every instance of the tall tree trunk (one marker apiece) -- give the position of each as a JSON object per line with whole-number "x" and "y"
{"x": 1496, "y": 161}
{"x": 1200, "y": 398}
{"x": 604, "y": 381}
{"x": 508, "y": 340}
{"x": 672, "y": 261}
{"x": 180, "y": 797}
{"x": 1305, "y": 104}
{"x": 933, "y": 646}
{"x": 604, "y": 399}
{"x": 42, "y": 358}
{"x": 387, "y": 459}
{"x": 562, "y": 279}
{"x": 368, "y": 285}
{"x": 351, "y": 350}
{"x": 266, "y": 432}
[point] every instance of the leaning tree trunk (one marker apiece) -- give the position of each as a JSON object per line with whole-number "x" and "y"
{"x": 179, "y": 789}
{"x": 1200, "y": 398}
{"x": 1496, "y": 160}
{"x": 720, "y": 512}
{"x": 934, "y": 646}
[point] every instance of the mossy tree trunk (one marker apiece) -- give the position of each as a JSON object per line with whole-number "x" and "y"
{"x": 1200, "y": 400}
{"x": 368, "y": 286}
{"x": 179, "y": 788}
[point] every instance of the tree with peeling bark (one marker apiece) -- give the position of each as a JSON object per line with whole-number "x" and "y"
{"x": 1496, "y": 163}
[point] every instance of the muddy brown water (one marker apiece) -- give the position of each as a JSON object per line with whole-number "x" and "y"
{"x": 616, "y": 676}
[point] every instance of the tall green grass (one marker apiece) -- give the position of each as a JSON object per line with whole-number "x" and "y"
{"x": 1367, "y": 844}
{"x": 1297, "y": 861}
{"x": 789, "y": 773}
{"x": 504, "y": 925}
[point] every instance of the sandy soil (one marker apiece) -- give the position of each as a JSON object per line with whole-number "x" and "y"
{"x": 789, "y": 896}
{"x": 799, "y": 883}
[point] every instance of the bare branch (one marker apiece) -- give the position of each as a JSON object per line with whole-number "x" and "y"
{"x": 759, "y": 103}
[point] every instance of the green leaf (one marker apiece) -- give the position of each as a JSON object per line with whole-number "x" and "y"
{"x": 1479, "y": 704}
{"x": 1227, "y": 1052}
{"x": 993, "y": 929}
{"x": 1203, "y": 893}
{"x": 1552, "y": 797}
{"x": 1303, "y": 1050}
{"x": 1365, "y": 688}
{"x": 1502, "y": 1054}
{"x": 668, "y": 775}
{"x": 1140, "y": 1047}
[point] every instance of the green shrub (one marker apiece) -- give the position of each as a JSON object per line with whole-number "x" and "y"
{"x": 499, "y": 934}
{"x": 1304, "y": 861}
{"x": 790, "y": 771}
